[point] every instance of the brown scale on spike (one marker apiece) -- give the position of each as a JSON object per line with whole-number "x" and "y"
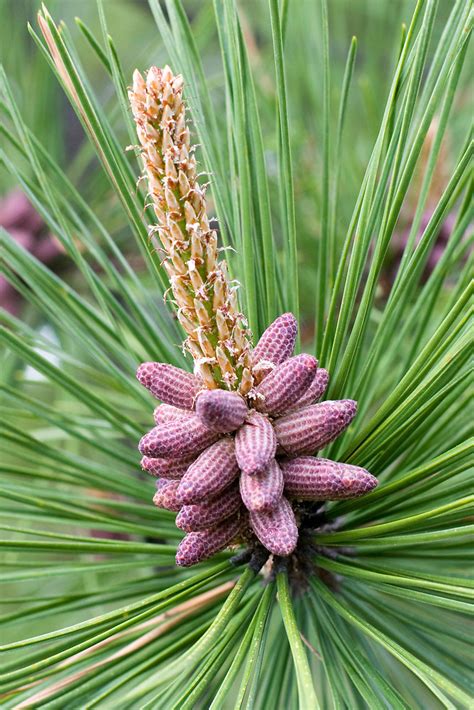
{"x": 236, "y": 434}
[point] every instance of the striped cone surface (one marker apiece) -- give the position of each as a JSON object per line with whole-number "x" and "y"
{"x": 168, "y": 383}
{"x": 278, "y": 341}
{"x": 166, "y": 495}
{"x": 166, "y": 468}
{"x": 262, "y": 491}
{"x": 255, "y": 444}
{"x": 285, "y": 384}
{"x": 214, "y": 470}
{"x": 169, "y": 413}
{"x": 276, "y": 529}
{"x": 312, "y": 428}
{"x": 221, "y": 410}
{"x": 179, "y": 438}
{"x": 309, "y": 478}
{"x": 207, "y": 514}
{"x": 199, "y": 545}
{"x": 314, "y": 392}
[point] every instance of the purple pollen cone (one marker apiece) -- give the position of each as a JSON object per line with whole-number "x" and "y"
{"x": 314, "y": 392}
{"x": 255, "y": 444}
{"x": 277, "y": 342}
{"x": 166, "y": 468}
{"x": 169, "y": 384}
{"x": 276, "y": 529}
{"x": 285, "y": 384}
{"x": 179, "y": 438}
{"x": 199, "y": 516}
{"x": 312, "y": 428}
{"x": 197, "y": 546}
{"x": 166, "y": 495}
{"x": 309, "y": 478}
{"x": 211, "y": 473}
{"x": 264, "y": 490}
{"x": 221, "y": 410}
{"x": 168, "y": 413}
{"x": 236, "y": 465}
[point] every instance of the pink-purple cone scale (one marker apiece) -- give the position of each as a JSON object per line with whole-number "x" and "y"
{"x": 262, "y": 491}
{"x": 314, "y": 392}
{"x": 312, "y": 428}
{"x": 199, "y": 516}
{"x": 218, "y": 454}
{"x": 169, "y": 413}
{"x": 211, "y": 473}
{"x": 166, "y": 495}
{"x": 309, "y": 478}
{"x": 278, "y": 341}
{"x": 168, "y": 383}
{"x": 166, "y": 468}
{"x": 199, "y": 545}
{"x": 221, "y": 410}
{"x": 276, "y": 529}
{"x": 255, "y": 444}
{"x": 179, "y": 438}
{"x": 280, "y": 389}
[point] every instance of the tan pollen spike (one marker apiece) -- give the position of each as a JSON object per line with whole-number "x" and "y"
{"x": 207, "y": 303}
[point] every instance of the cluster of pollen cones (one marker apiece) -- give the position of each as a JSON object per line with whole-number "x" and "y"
{"x": 233, "y": 466}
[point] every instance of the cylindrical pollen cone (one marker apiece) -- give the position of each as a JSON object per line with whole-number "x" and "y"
{"x": 315, "y": 391}
{"x": 172, "y": 469}
{"x": 211, "y": 473}
{"x": 264, "y": 490}
{"x": 282, "y": 387}
{"x": 255, "y": 444}
{"x": 168, "y": 413}
{"x": 198, "y": 546}
{"x": 309, "y": 478}
{"x": 179, "y": 438}
{"x": 200, "y": 516}
{"x": 169, "y": 384}
{"x": 312, "y": 428}
{"x": 166, "y": 495}
{"x": 278, "y": 341}
{"x": 276, "y": 529}
{"x": 221, "y": 410}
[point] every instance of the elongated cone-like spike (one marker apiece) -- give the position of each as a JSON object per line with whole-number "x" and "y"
{"x": 221, "y": 410}
{"x": 314, "y": 392}
{"x": 312, "y": 428}
{"x": 278, "y": 341}
{"x": 168, "y": 413}
{"x": 309, "y": 478}
{"x": 179, "y": 438}
{"x": 197, "y": 546}
{"x": 168, "y": 383}
{"x": 211, "y": 473}
{"x": 172, "y": 469}
{"x": 263, "y": 491}
{"x": 285, "y": 384}
{"x": 166, "y": 495}
{"x": 255, "y": 444}
{"x": 276, "y": 529}
{"x": 200, "y": 516}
